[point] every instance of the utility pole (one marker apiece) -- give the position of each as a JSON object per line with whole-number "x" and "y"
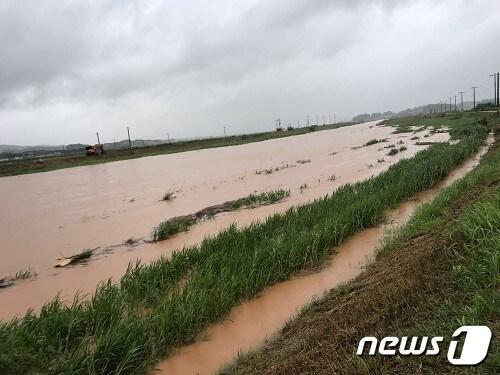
{"x": 498, "y": 89}
{"x": 334, "y": 120}
{"x": 317, "y": 120}
{"x": 461, "y": 100}
{"x": 474, "y": 95}
{"x": 441, "y": 106}
{"x": 330, "y": 119}
{"x": 98, "y": 141}
{"x": 455, "y": 103}
{"x": 494, "y": 75}
{"x": 224, "y": 132}
{"x": 450, "y": 104}
{"x": 129, "y": 142}
{"x": 298, "y": 124}
{"x": 324, "y": 122}
{"x": 114, "y": 143}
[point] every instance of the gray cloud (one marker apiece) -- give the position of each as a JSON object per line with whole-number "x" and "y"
{"x": 172, "y": 65}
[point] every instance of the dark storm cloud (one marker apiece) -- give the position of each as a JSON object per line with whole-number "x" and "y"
{"x": 106, "y": 62}
{"x": 110, "y": 48}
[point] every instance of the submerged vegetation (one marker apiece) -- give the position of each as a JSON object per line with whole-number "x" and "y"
{"x": 178, "y": 224}
{"x": 275, "y": 169}
{"x": 24, "y": 274}
{"x": 393, "y": 152}
{"x": 81, "y": 257}
{"x": 374, "y": 142}
{"x": 125, "y": 326}
{"x": 168, "y": 196}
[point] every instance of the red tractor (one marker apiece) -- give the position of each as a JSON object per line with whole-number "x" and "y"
{"x": 94, "y": 150}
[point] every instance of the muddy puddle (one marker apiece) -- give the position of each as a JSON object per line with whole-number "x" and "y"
{"x": 56, "y": 214}
{"x": 250, "y": 324}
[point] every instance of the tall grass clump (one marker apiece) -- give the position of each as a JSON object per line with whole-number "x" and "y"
{"x": 255, "y": 200}
{"x": 127, "y": 326}
{"x": 178, "y": 224}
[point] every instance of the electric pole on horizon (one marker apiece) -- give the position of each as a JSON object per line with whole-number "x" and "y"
{"x": 98, "y": 141}
{"x": 129, "y": 142}
{"x": 307, "y": 120}
{"x": 462, "y": 99}
{"x": 455, "y": 103}
{"x": 450, "y": 105}
{"x": 224, "y": 132}
{"x": 494, "y": 75}
{"x": 474, "y": 95}
{"x": 498, "y": 89}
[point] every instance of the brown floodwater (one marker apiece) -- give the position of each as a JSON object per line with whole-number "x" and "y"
{"x": 59, "y": 213}
{"x": 250, "y": 324}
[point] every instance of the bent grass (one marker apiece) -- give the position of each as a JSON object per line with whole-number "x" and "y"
{"x": 178, "y": 224}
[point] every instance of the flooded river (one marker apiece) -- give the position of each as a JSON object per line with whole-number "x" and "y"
{"x": 60, "y": 213}
{"x": 251, "y": 323}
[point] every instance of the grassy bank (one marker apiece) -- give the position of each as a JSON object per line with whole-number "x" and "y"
{"x": 439, "y": 272}
{"x": 127, "y": 326}
{"x": 458, "y": 123}
{"x": 18, "y": 167}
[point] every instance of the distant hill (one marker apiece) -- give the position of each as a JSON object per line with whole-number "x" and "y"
{"x": 415, "y": 111}
{"x": 20, "y": 149}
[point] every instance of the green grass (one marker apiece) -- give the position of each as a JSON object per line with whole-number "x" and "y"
{"x": 374, "y": 141}
{"x": 472, "y": 249}
{"x": 24, "y": 275}
{"x": 18, "y": 167}
{"x": 127, "y": 326}
{"x": 435, "y": 274}
{"x": 392, "y": 152}
{"x": 459, "y": 123}
{"x": 255, "y": 200}
{"x": 168, "y": 228}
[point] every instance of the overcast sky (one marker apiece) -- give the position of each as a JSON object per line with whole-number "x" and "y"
{"x": 71, "y": 68}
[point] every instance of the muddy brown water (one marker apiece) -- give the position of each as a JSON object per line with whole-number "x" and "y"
{"x": 59, "y": 213}
{"x": 250, "y": 324}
